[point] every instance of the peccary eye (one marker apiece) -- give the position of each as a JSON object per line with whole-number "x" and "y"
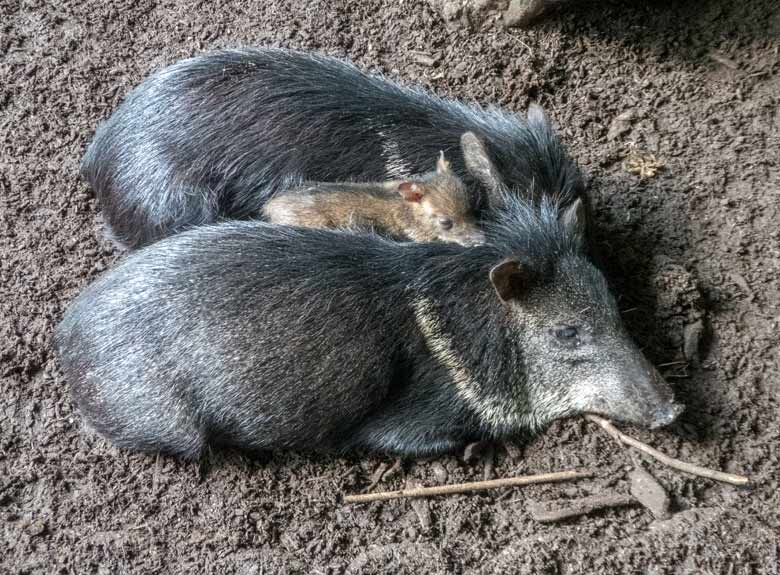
{"x": 445, "y": 223}
{"x": 565, "y": 332}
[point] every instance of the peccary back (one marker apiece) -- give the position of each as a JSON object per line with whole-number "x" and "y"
{"x": 215, "y": 136}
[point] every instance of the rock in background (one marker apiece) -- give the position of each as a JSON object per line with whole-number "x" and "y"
{"x": 473, "y": 13}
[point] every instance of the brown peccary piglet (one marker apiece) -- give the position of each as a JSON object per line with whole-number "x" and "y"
{"x": 435, "y": 206}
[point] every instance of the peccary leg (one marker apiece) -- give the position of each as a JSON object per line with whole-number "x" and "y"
{"x": 187, "y": 441}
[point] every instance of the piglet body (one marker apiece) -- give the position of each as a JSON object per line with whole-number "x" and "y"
{"x": 435, "y": 206}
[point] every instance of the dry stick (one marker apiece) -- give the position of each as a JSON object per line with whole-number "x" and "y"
{"x": 376, "y": 477}
{"x": 684, "y": 466}
{"x": 467, "y": 487}
{"x": 550, "y": 512}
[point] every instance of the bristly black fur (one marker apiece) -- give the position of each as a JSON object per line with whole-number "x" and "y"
{"x": 270, "y": 337}
{"x": 215, "y": 136}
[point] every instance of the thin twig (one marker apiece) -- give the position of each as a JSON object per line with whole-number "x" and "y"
{"x": 376, "y": 477}
{"x": 683, "y": 466}
{"x": 155, "y": 473}
{"x": 552, "y": 511}
{"x": 468, "y": 487}
{"x": 723, "y": 60}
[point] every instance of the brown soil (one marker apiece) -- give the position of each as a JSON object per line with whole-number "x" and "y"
{"x": 690, "y": 85}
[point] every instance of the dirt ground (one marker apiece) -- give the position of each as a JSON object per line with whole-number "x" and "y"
{"x": 693, "y": 83}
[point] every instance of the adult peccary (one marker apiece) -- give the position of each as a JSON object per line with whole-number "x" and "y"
{"x": 214, "y": 137}
{"x": 432, "y": 207}
{"x": 260, "y": 336}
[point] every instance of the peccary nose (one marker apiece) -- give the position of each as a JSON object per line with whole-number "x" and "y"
{"x": 664, "y": 416}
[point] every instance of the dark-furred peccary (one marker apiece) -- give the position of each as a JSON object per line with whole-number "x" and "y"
{"x": 260, "y": 336}
{"x": 215, "y": 136}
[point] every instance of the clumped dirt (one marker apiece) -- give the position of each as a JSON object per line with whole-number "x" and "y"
{"x": 694, "y": 84}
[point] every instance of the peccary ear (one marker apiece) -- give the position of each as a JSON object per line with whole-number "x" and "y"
{"x": 410, "y": 191}
{"x": 574, "y": 219}
{"x": 510, "y": 279}
{"x": 479, "y": 164}
{"x": 442, "y": 165}
{"x": 536, "y": 115}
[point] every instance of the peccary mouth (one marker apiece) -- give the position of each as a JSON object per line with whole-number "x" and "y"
{"x": 638, "y": 394}
{"x": 633, "y": 391}
{"x": 661, "y": 416}
{"x": 666, "y": 415}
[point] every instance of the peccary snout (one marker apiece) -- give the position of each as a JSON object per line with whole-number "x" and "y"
{"x": 586, "y": 362}
{"x": 666, "y": 415}
{"x": 633, "y": 392}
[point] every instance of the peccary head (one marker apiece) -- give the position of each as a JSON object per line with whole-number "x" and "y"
{"x": 577, "y": 356}
{"x": 574, "y": 352}
{"x": 440, "y": 206}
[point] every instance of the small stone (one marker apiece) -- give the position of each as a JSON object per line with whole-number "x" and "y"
{"x": 466, "y": 13}
{"x": 649, "y": 492}
{"x": 424, "y": 59}
{"x": 571, "y": 492}
{"x": 692, "y": 337}
{"x": 523, "y": 12}
{"x": 439, "y": 472}
{"x": 35, "y": 528}
{"x": 451, "y": 10}
{"x": 618, "y": 127}
{"x": 423, "y": 511}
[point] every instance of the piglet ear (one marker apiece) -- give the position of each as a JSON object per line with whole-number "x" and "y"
{"x": 410, "y": 191}
{"x": 510, "y": 279}
{"x": 442, "y": 165}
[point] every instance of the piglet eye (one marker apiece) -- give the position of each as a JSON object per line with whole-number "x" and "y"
{"x": 564, "y": 332}
{"x": 445, "y": 223}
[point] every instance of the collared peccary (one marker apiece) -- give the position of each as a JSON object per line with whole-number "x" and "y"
{"x": 263, "y": 337}
{"x": 214, "y": 137}
{"x": 433, "y": 207}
